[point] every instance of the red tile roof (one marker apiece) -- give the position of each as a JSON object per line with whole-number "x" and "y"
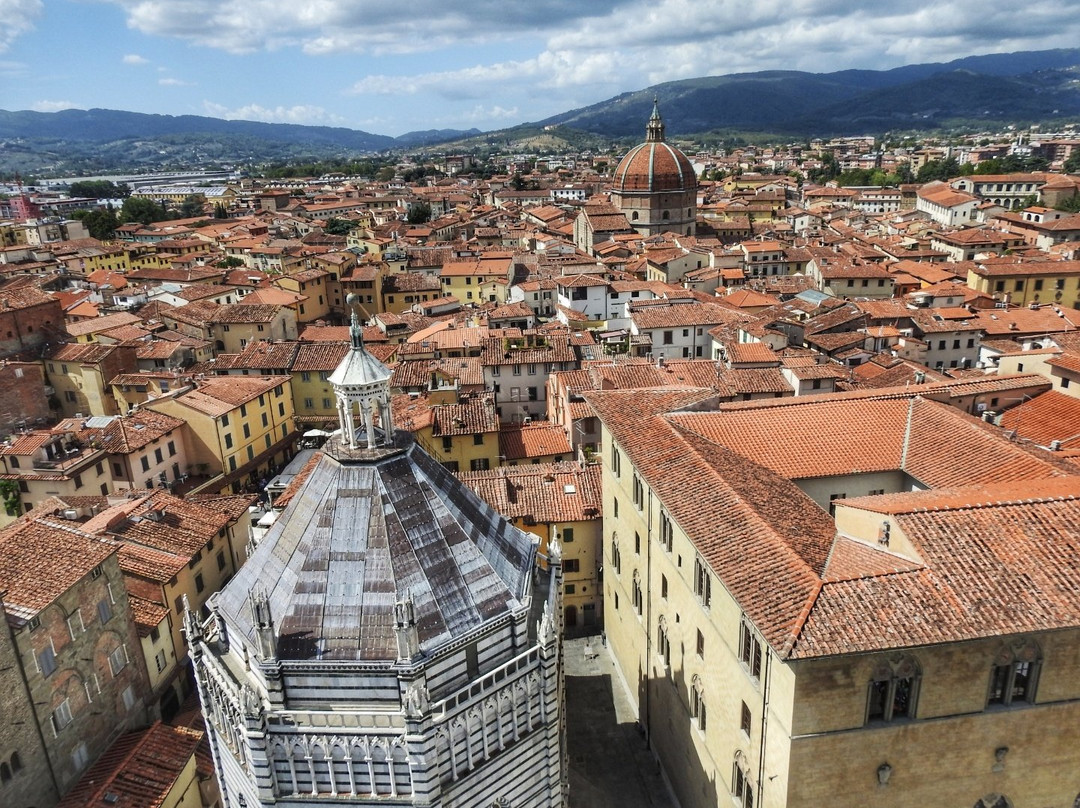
{"x": 137, "y": 771}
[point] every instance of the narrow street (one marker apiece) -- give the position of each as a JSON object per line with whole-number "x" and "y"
{"x": 610, "y": 767}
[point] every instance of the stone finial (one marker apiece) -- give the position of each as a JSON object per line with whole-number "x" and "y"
{"x": 192, "y": 628}
{"x": 555, "y": 549}
{"x": 417, "y": 700}
{"x": 545, "y": 629}
{"x": 252, "y": 704}
{"x": 408, "y": 638}
{"x": 264, "y": 623}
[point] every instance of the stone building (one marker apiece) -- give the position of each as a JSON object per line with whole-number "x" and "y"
{"x": 75, "y": 648}
{"x": 391, "y": 640}
{"x": 849, "y": 599}
{"x": 655, "y": 185}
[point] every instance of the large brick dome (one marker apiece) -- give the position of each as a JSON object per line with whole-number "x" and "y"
{"x": 655, "y": 184}
{"x": 655, "y": 167}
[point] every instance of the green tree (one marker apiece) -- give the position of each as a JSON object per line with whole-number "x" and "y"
{"x": 220, "y": 212}
{"x": 100, "y": 223}
{"x": 419, "y": 213}
{"x": 143, "y": 210}
{"x": 229, "y": 262}
{"x": 338, "y": 227}
{"x": 1072, "y": 165}
{"x": 938, "y": 170}
{"x": 98, "y": 189}
{"x": 192, "y": 206}
{"x": 385, "y": 174}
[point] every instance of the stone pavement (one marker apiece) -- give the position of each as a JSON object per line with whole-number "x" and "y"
{"x": 610, "y": 766}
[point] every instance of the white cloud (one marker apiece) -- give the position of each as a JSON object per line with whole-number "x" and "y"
{"x": 135, "y": 59}
{"x": 171, "y": 82}
{"x": 18, "y": 18}
{"x": 301, "y": 114}
{"x": 52, "y": 106}
{"x": 569, "y": 53}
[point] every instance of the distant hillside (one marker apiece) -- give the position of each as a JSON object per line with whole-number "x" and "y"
{"x": 994, "y": 90}
{"x": 1014, "y": 87}
{"x": 428, "y": 137}
{"x": 104, "y": 125}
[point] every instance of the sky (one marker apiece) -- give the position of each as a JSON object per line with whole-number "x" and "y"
{"x": 435, "y": 64}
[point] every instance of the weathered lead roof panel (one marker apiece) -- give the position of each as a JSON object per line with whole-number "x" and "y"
{"x": 359, "y": 537}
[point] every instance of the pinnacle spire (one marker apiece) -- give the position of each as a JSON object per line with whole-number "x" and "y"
{"x": 654, "y": 129}
{"x": 356, "y": 332}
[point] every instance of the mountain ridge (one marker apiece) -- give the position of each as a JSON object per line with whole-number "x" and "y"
{"x": 994, "y": 89}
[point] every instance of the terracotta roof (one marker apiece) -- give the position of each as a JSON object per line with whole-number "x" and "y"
{"x": 543, "y": 492}
{"x": 1052, "y": 416}
{"x": 472, "y": 415}
{"x": 526, "y": 441}
{"x": 137, "y": 771}
{"x": 757, "y": 531}
{"x": 995, "y": 560}
{"x": 43, "y": 557}
{"x": 835, "y": 436}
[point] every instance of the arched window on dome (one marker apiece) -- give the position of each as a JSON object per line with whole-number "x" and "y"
{"x": 666, "y": 216}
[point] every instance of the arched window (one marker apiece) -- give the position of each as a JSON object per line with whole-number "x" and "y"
{"x": 634, "y": 216}
{"x": 1015, "y": 674}
{"x": 616, "y": 556}
{"x": 663, "y": 645}
{"x": 16, "y": 762}
{"x": 697, "y": 702}
{"x": 741, "y": 786}
{"x": 666, "y": 216}
{"x": 893, "y": 690}
{"x": 636, "y": 595}
{"x": 994, "y": 801}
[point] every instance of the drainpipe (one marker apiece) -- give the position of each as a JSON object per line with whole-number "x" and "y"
{"x": 765, "y": 683}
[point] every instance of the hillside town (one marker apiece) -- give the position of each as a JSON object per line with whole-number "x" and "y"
{"x": 303, "y": 492}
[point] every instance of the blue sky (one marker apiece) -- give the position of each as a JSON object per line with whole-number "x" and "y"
{"x": 390, "y": 68}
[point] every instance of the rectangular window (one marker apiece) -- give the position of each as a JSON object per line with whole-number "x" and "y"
{"x": 663, "y": 586}
{"x": 46, "y": 660}
{"x": 480, "y": 464}
{"x": 749, "y": 650}
{"x": 832, "y": 502}
{"x": 199, "y": 584}
{"x": 700, "y": 644}
{"x": 616, "y": 461}
{"x": 478, "y": 439}
{"x": 666, "y": 532}
{"x": 702, "y": 583}
{"x": 172, "y": 448}
{"x": 567, "y": 535}
{"x": 145, "y": 463}
{"x": 159, "y": 661}
{"x": 221, "y": 560}
{"x": 571, "y": 565}
{"x": 128, "y": 697}
{"x": 104, "y": 611}
{"x": 639, "y": 493}
{"x": 158, "y": 456}
{"x": 118, "y": 660}
{"x": 61, "y": 716}
{"x": 746, "y": 719}
{"x": 247, "y": 431}
{"x": 75, "y": 624}
{"x": 228, "y": 441}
